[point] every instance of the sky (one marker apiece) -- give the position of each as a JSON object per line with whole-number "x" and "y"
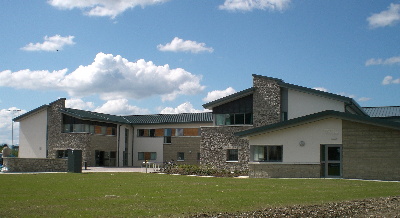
{"x": 127, "y": 57}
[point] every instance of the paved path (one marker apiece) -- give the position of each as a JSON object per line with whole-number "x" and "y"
{"x": 118, "y": 169}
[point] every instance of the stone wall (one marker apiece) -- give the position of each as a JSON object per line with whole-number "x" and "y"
{"x": 35, "y": 164}
{"x": 370, "y": 152}
{"x": 190, "y": 145}
{"x": 88, "y": 143}
{"x": 215, "y": 141}
{"x": 266, "y": 101}
{"x": 284, "y": 170}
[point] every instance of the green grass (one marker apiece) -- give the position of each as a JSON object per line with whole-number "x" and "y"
{"x": 138, "y": 194}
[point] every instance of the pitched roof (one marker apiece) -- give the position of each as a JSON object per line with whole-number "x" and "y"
{"x": 350, "y": 102}
{"x": 170, "y": 118}
{"x": 381, "y": 112}
{"x": 140, "y": 119}
{"x": 89, "y": 115}
{"x": 229, "y": 98}
{"x": 320, "y": 116}
{"x": 45, "y": 106}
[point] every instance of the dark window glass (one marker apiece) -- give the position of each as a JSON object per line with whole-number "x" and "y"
{"x": 232, "y": 155}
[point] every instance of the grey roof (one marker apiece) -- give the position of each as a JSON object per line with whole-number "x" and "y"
{"x": 350, "y": 102}
{"x": 170, "y": 118}
{"x": 45, "y": 106}
{"x": 318, "y": 116}
{"x": 140, "y": 119}
{"x": 89, "y": 115}
{"x": 382, "y": 112}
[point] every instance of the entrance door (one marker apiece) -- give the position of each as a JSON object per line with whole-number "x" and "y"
{"x": 331, "y": 161}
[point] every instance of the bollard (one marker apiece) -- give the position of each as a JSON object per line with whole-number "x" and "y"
{"x": 85, "y": 163}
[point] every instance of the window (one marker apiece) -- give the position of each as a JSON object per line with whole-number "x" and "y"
{"x": 167, "y": 136}
{"x": 179, "y": 132}
{"x": 147, "y": 155}
{"x": 233, "y": 119}
{"x": 267, "y": 153}
{"x": 232, "y": 155}
{"x": 181, "y": 156}
{"x": 149, "y": 132}
{"x": 62, "y": 153}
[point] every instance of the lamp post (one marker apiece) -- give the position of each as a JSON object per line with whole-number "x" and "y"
{"x": 12, "y": 124}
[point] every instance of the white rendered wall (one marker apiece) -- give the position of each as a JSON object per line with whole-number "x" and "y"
{"x": 33, "y": 135}
{"x": 328, "y": 131}
{"x": 301, "y": 104}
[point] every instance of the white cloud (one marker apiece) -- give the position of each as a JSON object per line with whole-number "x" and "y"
{"x": 52, "y": 43}
{"x": 363, "y": 99}
{"x": 321, "y": 89}
{"x": 380, "y": 61}
{"x": 120, "y": 107}
{"x": 249, "y": 5}
{"x": 108, "y": 8}
{"x": 389, "y": 80}
{"x": 78, "y": 103}
{"x": 186, "y": 107}
{"x": 217, "y": 94}
{"x": 385, "y": 18}
{"x": 6, "y": 117}
{"x": 179, "y": 45}
{"x": 111, "y": 77}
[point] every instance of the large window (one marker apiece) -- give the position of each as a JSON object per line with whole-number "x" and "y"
{"x": 232, "y": 155}
{"x": 75, "y": 125}
{"x": 270, "y": 153}
{"x": 233, "y": 119}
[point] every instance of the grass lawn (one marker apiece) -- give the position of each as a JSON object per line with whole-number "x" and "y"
{"x": 139, "y": 194}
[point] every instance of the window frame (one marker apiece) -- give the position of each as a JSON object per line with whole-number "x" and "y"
{"x": 229, "y": 155}
{"x": 180, "y": 156}
{"x": 266, "y": 153}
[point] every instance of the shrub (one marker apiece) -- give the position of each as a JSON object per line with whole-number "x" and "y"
{"x": 200, "y": 170}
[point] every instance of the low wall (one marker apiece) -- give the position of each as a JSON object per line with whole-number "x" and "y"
{"x": 14, "y": 164}
{"x": 284, "y": 170}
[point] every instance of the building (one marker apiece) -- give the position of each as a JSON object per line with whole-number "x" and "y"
{"x": 273, "y": 129}
{"x": 276, "y": 129}
{"x": 110, "y": 140}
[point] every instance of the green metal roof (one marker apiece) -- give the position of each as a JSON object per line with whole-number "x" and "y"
{"x": 382, "y": 112}
{"x": 319, "y": 116}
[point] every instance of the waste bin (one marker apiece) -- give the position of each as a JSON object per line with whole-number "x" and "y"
{"x": 75, "y": 161}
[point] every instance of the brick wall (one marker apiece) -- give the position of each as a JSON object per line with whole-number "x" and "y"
{"x": 35, "y": 164}
{"x": 370, "y": 152}
{"x": 189, "y": 145}
{"x": 284, "y": 170}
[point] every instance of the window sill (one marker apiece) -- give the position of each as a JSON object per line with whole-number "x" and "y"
{"x": 232, "y": 161}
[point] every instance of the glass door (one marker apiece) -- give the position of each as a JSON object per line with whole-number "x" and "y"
{"x": 331, "y": 161}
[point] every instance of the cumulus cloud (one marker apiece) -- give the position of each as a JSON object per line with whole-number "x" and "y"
{"x": 52, "y": 43}
{"x": 362, "y": 99}
{"x": 180, "y": 45}
{"x": 380, "y": 61}
{"x": 217, "y": 94}
{"x": 249, "y": 5}
{"x": 120, "y": 107}
{"x": 6, "y": 117}
{"x": 385, "y": 18}
{"x": 389, "y": 80}
{"x": 78, "y": 103}
{"x": 102, "y": 7}
{"x": 186, "y": 107}
{"x": 111, "y": 77}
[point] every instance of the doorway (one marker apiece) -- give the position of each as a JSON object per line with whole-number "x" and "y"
{"x": 331, "y": 161}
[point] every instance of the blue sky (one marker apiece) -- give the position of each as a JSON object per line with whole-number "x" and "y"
{"x": 171, "y": 56}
